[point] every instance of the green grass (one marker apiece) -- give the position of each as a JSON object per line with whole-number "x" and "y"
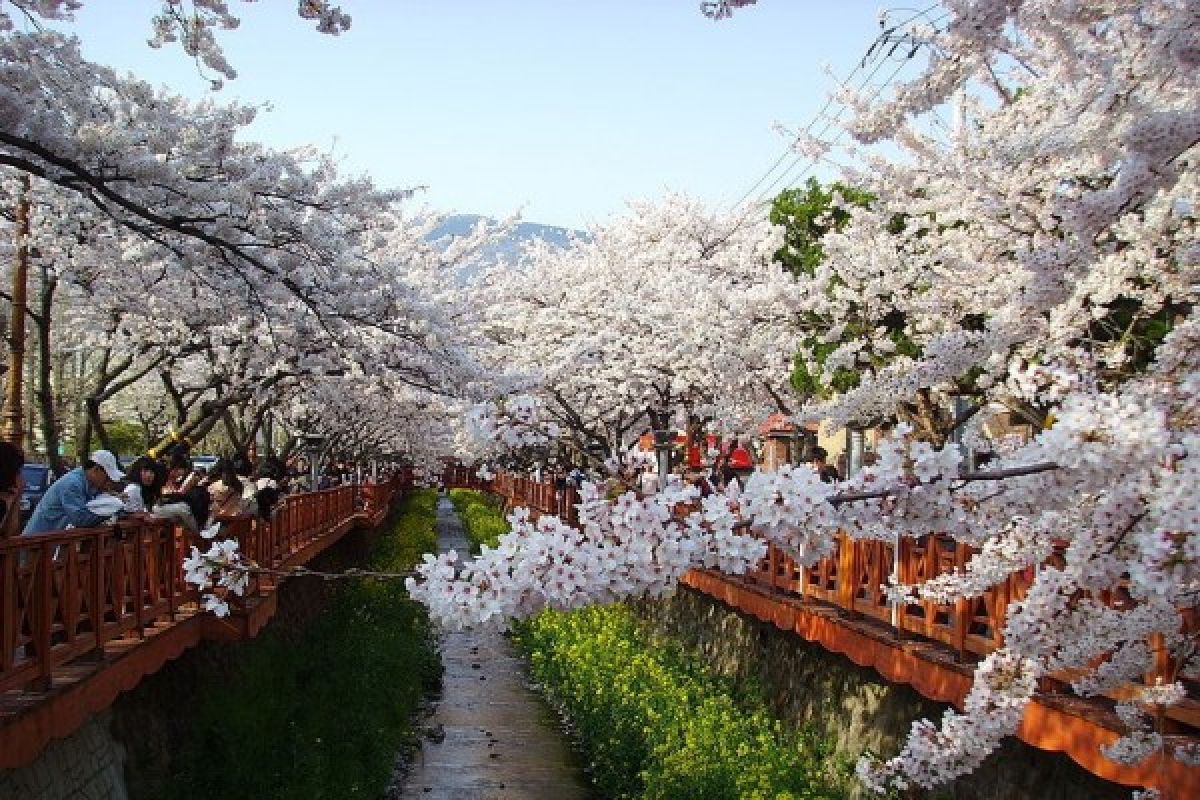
{"x": 655, "y": 724}
{"x": 324, "y": 716}
{"x": 481, "y": 516}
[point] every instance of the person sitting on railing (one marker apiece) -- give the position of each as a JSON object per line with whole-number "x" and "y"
{"x": 181, "y": 476}
{"x": 269, "y": 485}
{"x": 227, "y": 494}
{"x": 12, "y": 484}
{"x": 185, "y": 497}
{"x": 146, "y": 479}
{"x": 65, "y": 502}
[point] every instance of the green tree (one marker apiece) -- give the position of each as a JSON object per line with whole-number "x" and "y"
{"x": 124, "y": 438}
{"x": 806, "y": 214}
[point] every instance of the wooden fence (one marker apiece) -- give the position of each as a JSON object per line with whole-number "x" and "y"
{"x": 64, "y": 595}
{"x": 851, "y": 580}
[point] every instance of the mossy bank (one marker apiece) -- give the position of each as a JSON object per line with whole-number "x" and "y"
{"x": 316, "y": 707}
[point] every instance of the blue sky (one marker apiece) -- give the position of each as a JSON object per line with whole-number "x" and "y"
{"x": 564, "y": 109}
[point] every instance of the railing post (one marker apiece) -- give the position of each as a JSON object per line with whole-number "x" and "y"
{"x": 98, "y": 583}
{"x": 896, "y": 580}
{"x": 846, "y": 577}
{"x": 962, "y": 606}
{"x": 8, "y": 608}
{"x": 172, "y": 567}
{"x": 139, "y": 581}
{"x": 42, "y": 618}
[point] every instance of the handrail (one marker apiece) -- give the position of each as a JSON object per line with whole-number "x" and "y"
{"x": 544, "y": 497}
{"x": 65, "y": 594}
{"x": 852, "y": 577}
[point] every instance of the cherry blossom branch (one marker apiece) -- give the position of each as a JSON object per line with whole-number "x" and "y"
{"x": 965, "y": 477}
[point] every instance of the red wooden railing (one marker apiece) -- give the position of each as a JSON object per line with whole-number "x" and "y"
{"x": 542, "y": 497}
{"x": 456, "y": 476}
{"x": 852, "y": 577}
{"x": 64, "y": 595}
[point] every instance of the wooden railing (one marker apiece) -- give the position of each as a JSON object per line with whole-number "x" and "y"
{"x": 64, "y": 595}
{"x": 853, "y": 576}
{"x": 851, "y": 579}
{"x": 456, "y": 476}
{"x": 542, "y": 497}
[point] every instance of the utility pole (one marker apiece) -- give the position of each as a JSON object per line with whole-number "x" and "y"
{"x": 13, "y": 424}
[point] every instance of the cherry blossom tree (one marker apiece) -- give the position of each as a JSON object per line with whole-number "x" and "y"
{"x": 669, "y": 310}
{"x": 1046, "y": 260}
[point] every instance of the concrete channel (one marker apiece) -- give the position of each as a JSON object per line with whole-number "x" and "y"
{"x": 490, "y": 736}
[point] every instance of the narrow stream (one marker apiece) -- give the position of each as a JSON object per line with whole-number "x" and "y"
{"x": 490, "y": 736}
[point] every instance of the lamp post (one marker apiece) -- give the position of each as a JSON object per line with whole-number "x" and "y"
{"x": 313, "y": 444}
{"x": 664, "y": 439}
{"x": 854, "y": 451}
{"x": 663, "y": 442}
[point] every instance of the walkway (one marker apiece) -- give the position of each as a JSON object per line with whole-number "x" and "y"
{"x": 491, "y": 737}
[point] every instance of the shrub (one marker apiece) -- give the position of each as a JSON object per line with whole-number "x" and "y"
{"x": 654, "y": 723}
{"x": 481, "y": 516}
{"x": 323, "y": 716}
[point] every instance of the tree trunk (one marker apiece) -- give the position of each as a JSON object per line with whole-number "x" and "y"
{"x": 83, "y": 434}
{"x": 96, "y": 428}
{"x": 47, "y": 406}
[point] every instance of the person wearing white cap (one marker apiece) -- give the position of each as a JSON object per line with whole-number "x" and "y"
{"x": 65, "y": 503}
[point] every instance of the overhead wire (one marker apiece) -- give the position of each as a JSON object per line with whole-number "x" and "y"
{"x": 881, "y": 58}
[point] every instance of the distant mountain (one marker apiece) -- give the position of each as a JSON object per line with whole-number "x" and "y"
{"x": 508, "y": 249}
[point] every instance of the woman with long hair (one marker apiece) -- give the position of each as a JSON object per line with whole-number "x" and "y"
{"x": 146, "y": 479}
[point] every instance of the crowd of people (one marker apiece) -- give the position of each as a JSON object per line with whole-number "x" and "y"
{"x": 168, "y": 487}
{"x": 725, "y": 473}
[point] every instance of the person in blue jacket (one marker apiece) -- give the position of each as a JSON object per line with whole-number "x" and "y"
{"x": 65, "y": 502}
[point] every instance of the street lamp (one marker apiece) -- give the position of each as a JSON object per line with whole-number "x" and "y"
{"x": 664, "y": 442}
{"x": 312, "y": 444}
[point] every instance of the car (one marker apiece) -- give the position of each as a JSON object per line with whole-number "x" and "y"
{"x": 37, "y": 480}
{"x": 204, "y": 462}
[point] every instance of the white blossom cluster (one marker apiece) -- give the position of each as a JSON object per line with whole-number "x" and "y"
{"x": 1142, "y": 740}
{"x": 515, "y": 423}
{"x": 624, "y": 547}
{"x": 192, "y": 25}
{"x": 670, "y": 310}
{"x": 217, "y": 571}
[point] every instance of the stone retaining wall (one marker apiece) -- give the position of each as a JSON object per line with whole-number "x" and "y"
{"x": 85, "y": 766}
{"x": 853, "y": 706}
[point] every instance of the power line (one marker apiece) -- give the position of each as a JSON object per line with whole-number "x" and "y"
{"x": 888, "y": 35}
{"x": 786, "y": 178}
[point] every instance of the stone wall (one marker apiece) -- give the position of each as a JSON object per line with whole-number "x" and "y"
{"x": 151, "y": 722}
{"x": 85, "y": 766}
{"x": 851, "y": 705}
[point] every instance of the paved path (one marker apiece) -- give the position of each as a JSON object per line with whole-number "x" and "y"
{"x": 490, "y": 737}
